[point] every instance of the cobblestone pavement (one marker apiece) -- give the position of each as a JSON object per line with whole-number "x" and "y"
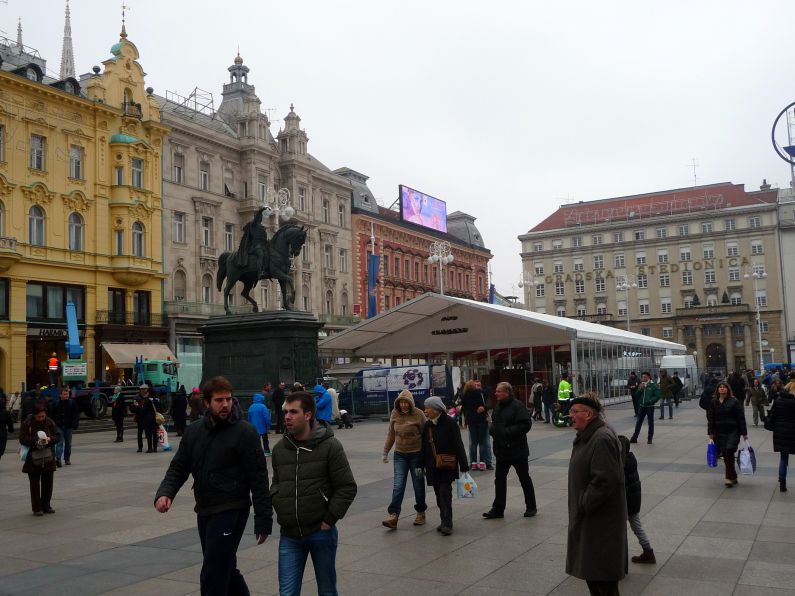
{"x": 106, "y": 537}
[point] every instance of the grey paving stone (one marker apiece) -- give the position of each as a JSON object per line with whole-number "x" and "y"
{"x": 39, "y": 579}
{"x": 667, "y": 586}
{"x": 702, "y": 568}
{"x": 774, "y": 552}
{"x": 771, "y": 575}
{"x": 730, "y": 531}
{"x": 718, "y": 549}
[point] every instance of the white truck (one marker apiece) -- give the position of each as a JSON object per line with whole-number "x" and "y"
{"x": 686, "y": 366}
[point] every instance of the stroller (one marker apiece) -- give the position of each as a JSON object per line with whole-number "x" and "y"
{"x": 346, "y": 420}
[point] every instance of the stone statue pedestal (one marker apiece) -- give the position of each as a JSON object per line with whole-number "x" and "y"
{"x": 255, "y": 348}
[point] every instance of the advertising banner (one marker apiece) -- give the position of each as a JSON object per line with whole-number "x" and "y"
{"x": 373, "y": 264}
{"x": 423, "y": 210}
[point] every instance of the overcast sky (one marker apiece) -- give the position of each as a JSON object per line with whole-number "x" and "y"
{"x": 505, "y": 110}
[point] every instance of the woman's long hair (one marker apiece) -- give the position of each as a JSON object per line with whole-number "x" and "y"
{"x": 723, "y": 384}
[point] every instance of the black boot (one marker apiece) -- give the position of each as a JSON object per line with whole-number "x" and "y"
{"x": 782, "y": 485}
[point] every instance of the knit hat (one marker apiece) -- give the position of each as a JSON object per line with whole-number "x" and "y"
{"x": 436, "y": 403}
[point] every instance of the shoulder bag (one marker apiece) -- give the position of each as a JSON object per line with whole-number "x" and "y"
{"x": 41, "y": 457}
{"x": 486, "y": 408}
{"x": 443, "y": 461}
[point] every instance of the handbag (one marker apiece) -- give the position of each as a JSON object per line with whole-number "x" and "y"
{"x": 488, "y": 412}
{"x": 443, "y": 461}
{"x": 466, "y": 487}
{"x": 712, "y": 454}
{"x": 769, "y": 421}
{"x": 41, "y": 457}
{"x": 747, "y": 459}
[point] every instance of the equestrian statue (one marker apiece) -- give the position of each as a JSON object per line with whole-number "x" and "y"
{"x": 257, "y": 259}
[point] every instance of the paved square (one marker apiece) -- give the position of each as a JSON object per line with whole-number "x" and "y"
{"x": 106, "y": 537}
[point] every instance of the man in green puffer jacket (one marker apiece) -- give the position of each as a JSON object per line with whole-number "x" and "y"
{"x": 312, "y": 488}
{"x": 648, "y": 395}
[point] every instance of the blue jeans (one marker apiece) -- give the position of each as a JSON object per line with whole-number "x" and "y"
{"x": 644, "y": 412}
{"x": 64, "y": 445}
{"x": 405, "y": 464}
{"x": 479, "y": 437}
{"x": 782, "y": 465}
{"x": 669, "y": 401}
{"x": 322, "y": 545}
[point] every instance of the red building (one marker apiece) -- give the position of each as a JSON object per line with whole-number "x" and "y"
{"x": 404, "y": 248}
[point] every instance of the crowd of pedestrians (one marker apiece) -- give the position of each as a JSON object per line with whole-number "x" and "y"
{"x": 311, "y": 484}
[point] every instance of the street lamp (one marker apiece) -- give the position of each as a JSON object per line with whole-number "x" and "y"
{"x": 440, "y": 253}
{"x": 278, "y": 204}
{"x": 756, "y": 276}
{"x": 624, "y": 286}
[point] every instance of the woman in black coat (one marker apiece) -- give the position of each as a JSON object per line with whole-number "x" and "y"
{"x": 118, "y": 412}
{"x": 40, "y": 470}
{"x": 781, "y": 420}
{"x": 441, "y": 435}
{"x": 179, "y": 410}
{"x": 725, "y": 424}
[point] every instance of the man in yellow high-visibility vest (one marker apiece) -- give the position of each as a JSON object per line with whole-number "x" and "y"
{"x": 564, "y": 388}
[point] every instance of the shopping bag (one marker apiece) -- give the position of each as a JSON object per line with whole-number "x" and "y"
{"x": 712, "y": 454}
{"x": 23, "y": 452}
{"x": 747, "y": 459}
{"x": 466, "y": 487}
{"x": 162, "y": 438}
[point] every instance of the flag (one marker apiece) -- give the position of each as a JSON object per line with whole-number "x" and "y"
{"x": 373, "y": 264}
{"x": 491, "y": 293}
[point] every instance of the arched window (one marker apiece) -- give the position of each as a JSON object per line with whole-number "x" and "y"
{"x": 207, "y": 289}
{"x": 712, "y": 300}
{"x": 180, "y": 285}
{"x": 344, "y": 304}
{"x": 138, "y": 239}
{"x": 36, "y": 226}
{"x": 75, "y": 232}
{"x": 265, "y": 295}
{"x": 601, "y": 308}
{"x": 306, "y": 302}
{"x": 736, "y": 298}
{"x": 329, "y": 302}
{"x": 561, "y": 311}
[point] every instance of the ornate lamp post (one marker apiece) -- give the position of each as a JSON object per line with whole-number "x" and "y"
{"x": 440, "y": 253}
{"x": 625, "y": 286}
{"x": 756, "y": 276}
{"x": 278, "y": 205}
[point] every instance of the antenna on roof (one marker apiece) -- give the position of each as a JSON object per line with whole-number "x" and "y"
{"x": 694, "y": 164}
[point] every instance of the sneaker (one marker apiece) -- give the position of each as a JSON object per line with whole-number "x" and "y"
{"x": 782, "y": 486}
{"x": 419, "y": 520}
{"x": 728, "y": 483}
{"x": 49, "y": 510}
{"x": 67, "y": 462}
{"x": 473, "y": 467}
{"x": 482, "y": 466}
{"x": 446, "y": 530}
{"x": 58, "y": 463}
{"x": 633, "y": 440}
{"x": 391, "y": 521}
{"x": 646, "y": 557}
{"x": 493, "y": 514}
{"x": 648, "y": 442}
{"x": 530, "y": 512}
{"x": 661, "y": 418}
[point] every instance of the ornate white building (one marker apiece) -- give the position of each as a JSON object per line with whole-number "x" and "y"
{"x": 219, "y": 167}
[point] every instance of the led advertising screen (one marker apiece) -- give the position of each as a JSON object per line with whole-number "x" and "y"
{"x": 422, "y": 209}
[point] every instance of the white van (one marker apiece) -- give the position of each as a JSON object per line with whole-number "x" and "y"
{"x": 688, "y": 372}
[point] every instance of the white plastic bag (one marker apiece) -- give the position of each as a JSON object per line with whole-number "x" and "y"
{"x": 162, "y": 438}
{"x": 747, "y": 459}
{"x": 466, "y": 487}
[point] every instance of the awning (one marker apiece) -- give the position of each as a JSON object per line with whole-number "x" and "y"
{"x": 433, "y": 323}
{"x": 124, "y": 355}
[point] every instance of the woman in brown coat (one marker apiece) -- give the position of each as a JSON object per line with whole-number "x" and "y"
{"x": 596, "y": 549}
{"x": 39, "y": 465}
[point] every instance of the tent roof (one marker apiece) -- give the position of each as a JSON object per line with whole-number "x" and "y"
{"x": 433, "y": 323}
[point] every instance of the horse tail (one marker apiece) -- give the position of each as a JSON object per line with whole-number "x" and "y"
{"x": 219, "y": 277}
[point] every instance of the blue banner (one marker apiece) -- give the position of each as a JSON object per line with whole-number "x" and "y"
{"x": 491, "y": 293}
{"x": 373, "y": 264}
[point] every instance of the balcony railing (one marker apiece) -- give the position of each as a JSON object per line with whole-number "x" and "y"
{"x": 182, "y": 307}
{"x": 132, "y": 109}
{"x": 130, "y": 319}
{"x": 207, "y": 251}
{"x": 339, "y": 319}
{"x": 7, "y": 243}
{"x": 603, "y": 318}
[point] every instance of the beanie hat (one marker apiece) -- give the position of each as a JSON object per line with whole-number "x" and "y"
{"x": 436, "y": 403}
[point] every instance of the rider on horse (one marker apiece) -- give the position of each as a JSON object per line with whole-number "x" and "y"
{"x": 253, "y": 242}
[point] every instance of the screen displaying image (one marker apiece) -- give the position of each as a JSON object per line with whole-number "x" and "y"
{"x": 422, "y": 209}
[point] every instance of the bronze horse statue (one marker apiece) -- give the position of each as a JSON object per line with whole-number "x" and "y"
{"x": 285, "y": 244}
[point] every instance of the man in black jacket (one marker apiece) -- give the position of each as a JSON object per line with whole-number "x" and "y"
{"x": 510, "y": 423}
{"x": 225, "y": 456}
{"x": 66, "y": 414}
{"x": 278, "y": 401}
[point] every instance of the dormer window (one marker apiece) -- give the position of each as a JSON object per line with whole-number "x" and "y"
{"x": 32, "y": 74}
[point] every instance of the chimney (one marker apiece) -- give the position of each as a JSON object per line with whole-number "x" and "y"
{"x": 765, "y": 185}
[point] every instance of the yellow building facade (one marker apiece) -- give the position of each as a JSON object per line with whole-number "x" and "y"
{"x": 80, "y": 212}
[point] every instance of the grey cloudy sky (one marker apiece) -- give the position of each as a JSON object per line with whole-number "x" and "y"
{"x": 504, "y": 109}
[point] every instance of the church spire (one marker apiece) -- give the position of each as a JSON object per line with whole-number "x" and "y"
{"x": 123, "y": 33}
{"x": 19, "y": 35}
{"x": 67, "y": 53}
